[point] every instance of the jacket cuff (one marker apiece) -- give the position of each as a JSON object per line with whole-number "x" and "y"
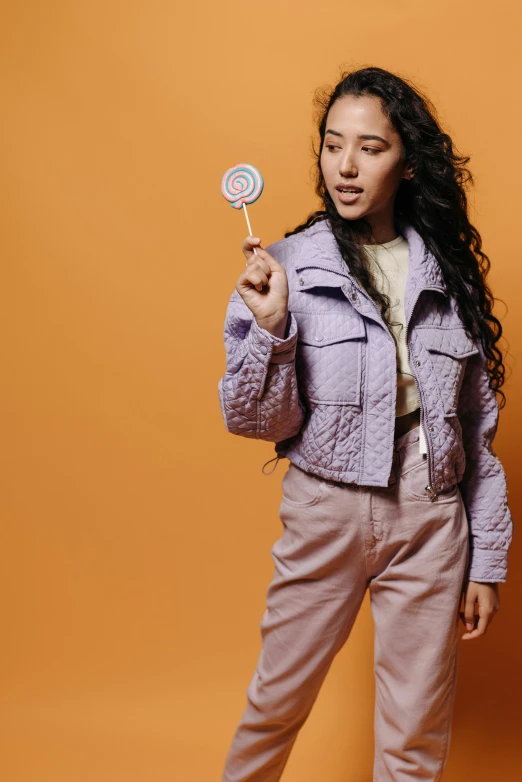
{"x": 282, "y": 350}
{"x": 488, "y": 565}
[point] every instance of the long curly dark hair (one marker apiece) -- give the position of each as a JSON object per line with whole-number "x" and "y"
{"x": 434, "y": 202}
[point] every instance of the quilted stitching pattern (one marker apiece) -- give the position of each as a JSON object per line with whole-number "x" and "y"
{"x": 483, "y": 486}
{"x": 329, "y": 356}
{"x": 326, "y": 393}
{"x": 449, "y": 349}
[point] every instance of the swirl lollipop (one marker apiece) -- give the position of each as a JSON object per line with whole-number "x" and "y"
{"x": 242, "y": 185}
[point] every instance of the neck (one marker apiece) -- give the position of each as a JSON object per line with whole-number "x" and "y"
{"x": 383, "y": 239}
{"x": 383, "y": 230}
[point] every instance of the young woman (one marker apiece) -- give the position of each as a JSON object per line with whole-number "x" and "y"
{"x": 364, "y": 345}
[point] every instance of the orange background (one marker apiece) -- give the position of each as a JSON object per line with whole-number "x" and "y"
{"x": 135, "y": 530}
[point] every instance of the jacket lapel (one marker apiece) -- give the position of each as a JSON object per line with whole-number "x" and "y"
{"x": 424, "y": 272}
{"x": 325, "y": 266}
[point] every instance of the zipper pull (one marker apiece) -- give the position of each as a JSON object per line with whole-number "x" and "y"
{"x": 431, "y": 492}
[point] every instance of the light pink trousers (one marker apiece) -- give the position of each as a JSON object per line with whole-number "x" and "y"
{"x": 338, "y": 540}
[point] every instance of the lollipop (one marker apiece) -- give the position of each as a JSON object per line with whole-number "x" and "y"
{"x": 242, "y": 185}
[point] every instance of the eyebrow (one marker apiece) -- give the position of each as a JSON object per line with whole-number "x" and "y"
{"x": 366, "y": 136}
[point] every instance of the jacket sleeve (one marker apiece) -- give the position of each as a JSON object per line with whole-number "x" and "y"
{"x": 483, "y": 486}
{"x": 258, "y": 393}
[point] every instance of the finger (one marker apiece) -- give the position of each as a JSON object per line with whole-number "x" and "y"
{"x": 257, "y": 278}
{"x": 259, "y": 263}
{"x": 271, "y": 262}
{"x": 469, "y": 628}
{"x": 255, "y": 275}
{"x": 252, "y": 257}
{"x": 249, "y": 244}
{"x": 469, "y": 613}
{"x": 483, "y": 622}
{"x": 462, "y": 618}
{"x": 470, "y": 634}
{"x": 479, "y": 630}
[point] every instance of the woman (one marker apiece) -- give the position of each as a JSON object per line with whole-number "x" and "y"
{"x": 364, "y": 345}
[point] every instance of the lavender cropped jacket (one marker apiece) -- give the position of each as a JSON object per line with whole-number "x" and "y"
{"x": 325, "y": 394}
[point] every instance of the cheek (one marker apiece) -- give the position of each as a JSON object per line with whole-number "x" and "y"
{"x": 327, "y": 169}
{"x": 387, "y": 179}
{"x": 383, "y": 184}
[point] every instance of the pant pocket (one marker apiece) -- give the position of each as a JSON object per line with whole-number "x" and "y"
{"x": 301, "y": 488}
{"x": 414, "y": 479}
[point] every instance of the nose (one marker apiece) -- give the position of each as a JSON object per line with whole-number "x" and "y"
{"x": 347, "y": 166}
{"x": 348, "y": 171}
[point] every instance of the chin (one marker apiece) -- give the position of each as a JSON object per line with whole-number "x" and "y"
{"x": 350, "y": 212}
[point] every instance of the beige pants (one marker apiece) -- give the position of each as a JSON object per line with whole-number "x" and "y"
{"x": 337, "y": 541}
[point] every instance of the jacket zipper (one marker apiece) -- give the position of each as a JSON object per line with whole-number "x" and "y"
{"x": 429, "y": 488}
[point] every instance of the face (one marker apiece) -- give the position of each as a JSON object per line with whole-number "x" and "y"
{"x": 363, "y": 150}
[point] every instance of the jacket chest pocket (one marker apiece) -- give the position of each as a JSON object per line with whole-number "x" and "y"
{"x": 449, "y": 349}
{"x": 329, "y": 356}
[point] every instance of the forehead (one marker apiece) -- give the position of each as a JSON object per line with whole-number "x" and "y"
{"x": 351, "y": 115}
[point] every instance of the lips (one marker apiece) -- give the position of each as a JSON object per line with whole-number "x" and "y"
{"x": 348, "y": 198}
{"x": 349, "y": 188}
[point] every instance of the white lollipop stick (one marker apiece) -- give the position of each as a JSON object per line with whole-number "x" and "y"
{"x": 241, "y": 184}
{"x": 248, "y": 223}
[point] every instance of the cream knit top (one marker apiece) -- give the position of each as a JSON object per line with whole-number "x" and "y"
{"x": 390, "y": 265}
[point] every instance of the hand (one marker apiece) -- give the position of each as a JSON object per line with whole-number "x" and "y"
{"x": 486, "y": 595}
{"x": 263, "y": 286}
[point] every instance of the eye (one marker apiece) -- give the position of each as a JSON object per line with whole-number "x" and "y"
{"x": 331, "y": 146}
{"x": 372, "y": 150}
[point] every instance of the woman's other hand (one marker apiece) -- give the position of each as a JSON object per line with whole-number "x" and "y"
{"x": 263, "y": 286}
{"x": 485, "y": 595}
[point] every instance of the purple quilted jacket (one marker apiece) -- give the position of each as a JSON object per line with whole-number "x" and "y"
{"x": 325, "y": 394}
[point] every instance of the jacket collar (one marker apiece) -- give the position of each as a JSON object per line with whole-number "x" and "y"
{"x": 424, "y": 272}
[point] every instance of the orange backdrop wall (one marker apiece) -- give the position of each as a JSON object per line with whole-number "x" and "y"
{"x": 136, "y": 531}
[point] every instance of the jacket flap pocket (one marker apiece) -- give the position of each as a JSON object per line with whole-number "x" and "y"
{"x": 323, "y": 277}
{"x": 452, "y": 341}
{"x": 328, "y": 327}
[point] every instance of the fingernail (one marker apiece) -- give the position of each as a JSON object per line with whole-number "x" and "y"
{"x": 469, "y": 626}
{"x": 256, "y": 239}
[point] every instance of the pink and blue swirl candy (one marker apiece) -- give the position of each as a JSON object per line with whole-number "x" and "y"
{"x": 242, "y": 184}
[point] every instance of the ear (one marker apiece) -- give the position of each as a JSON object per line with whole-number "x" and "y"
{"x": 408, "y": 173}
